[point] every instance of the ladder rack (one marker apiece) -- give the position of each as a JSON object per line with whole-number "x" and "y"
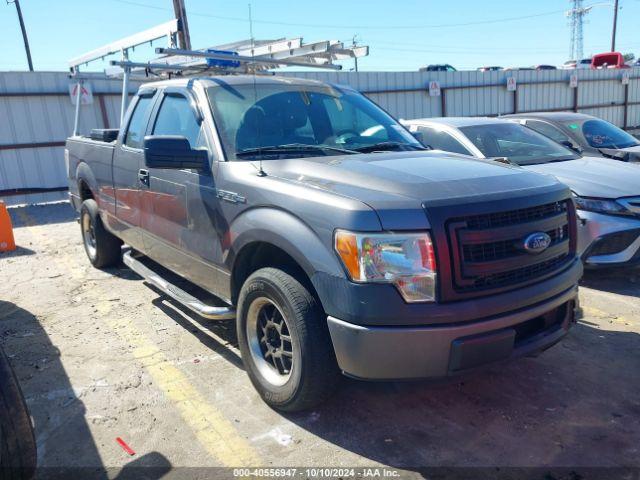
{"x": 246, "y": 56}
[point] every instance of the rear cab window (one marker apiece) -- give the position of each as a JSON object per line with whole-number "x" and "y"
{"x": 138, "y": 123}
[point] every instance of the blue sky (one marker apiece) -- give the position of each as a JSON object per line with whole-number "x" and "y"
{"x": 402, "y": 34}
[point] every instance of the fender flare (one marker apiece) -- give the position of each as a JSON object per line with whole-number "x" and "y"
{"x": 85, "y": 174}
{"x": 287, "y": 232}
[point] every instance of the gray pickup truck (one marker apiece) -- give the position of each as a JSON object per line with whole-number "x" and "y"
{"x": 336, "y": 241}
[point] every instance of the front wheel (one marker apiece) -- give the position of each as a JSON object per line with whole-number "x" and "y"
{"x": 103, "y": 248}
{"x": 284, "y": 341}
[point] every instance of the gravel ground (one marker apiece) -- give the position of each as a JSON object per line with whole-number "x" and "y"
{"x": 100, "y": 355}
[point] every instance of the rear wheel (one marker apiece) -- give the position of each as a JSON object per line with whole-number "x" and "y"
{"x": 17, "y": 442}
{"x": 284, "y": 341}
{"x": 103, "y": 248}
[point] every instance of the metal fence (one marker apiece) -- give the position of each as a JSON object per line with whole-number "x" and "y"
{"x": 36, "y": 116}
{"x": 36, "y": 113}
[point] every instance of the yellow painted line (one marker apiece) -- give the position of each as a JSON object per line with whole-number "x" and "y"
{"x": 216, "y": 434}
{"x": 596, "y": 312}
{"x": 214, "y": 431}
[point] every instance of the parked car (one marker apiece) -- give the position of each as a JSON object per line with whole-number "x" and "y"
{"x": 606, "y": 192}
{"x": 444, "y": 67}
{"x": 585, "y": 63}
{"x": 608, "y": 60}
{"x": 336, "y": 245}
{"x": 545, "y": 67}
{"x": 489, "y": 69}
{"x": 584, "y": 133}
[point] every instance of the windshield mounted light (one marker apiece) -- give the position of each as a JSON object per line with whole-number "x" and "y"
{"x": 599, "y": 205}
{"x": 406, "y": 260}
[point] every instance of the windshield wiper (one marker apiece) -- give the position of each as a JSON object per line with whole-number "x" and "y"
{"x": 293, "y": 148}
{"x": 382, "y": 146}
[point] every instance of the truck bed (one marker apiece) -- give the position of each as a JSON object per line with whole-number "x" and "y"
{"x": 96, "y": 155}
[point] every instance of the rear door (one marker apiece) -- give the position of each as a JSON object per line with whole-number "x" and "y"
{"x": 128, "y": 162}
{"x": 180, "y": 207}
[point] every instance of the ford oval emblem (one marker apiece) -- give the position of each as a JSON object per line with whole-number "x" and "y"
{"x": 536, "y": 242}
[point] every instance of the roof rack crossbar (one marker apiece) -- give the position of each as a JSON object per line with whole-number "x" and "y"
{"x": 244, "y": 59}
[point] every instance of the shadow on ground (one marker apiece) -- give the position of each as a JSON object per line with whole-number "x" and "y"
{"x": 58, "y": 414}
{"x": 575, "y": 405}
{"x": 623, "y": 281}
{"x": 46, "y": 214}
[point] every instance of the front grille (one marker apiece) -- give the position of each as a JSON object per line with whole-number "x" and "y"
{"x": 499, "y": 219}
{"x": 488, "y": 250}
{"x": 485, "y": 252}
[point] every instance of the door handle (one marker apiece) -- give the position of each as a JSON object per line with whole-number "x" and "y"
{"x": 143, "y": 176}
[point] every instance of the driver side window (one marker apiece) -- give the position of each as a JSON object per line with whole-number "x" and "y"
{"x": 176, "y": 117}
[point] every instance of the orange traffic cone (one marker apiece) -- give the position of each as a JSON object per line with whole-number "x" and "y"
{"x": 7, "y": 244}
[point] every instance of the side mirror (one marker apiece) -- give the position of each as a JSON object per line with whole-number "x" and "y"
{"x": 172, "y": 152}
{"x": 572, "y": 146}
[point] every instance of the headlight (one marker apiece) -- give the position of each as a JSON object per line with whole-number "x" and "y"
{"x": 600, "y": 206}
{"x": 406, "y": 260}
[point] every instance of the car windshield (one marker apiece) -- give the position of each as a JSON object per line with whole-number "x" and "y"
{"x": 519, "y": 144}
{"x": 285, "y": 120}
{"x": 601, "y": 134}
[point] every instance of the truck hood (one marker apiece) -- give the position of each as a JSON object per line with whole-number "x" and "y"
{"x": 595, "y": 177}
{"x": 402, "y": 180}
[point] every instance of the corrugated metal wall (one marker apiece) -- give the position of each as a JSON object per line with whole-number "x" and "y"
{"x": 36, "y": 117}
{"x": 36, "y": 114}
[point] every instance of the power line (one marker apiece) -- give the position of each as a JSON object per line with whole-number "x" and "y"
{"x": 24, "y": 32}
{"x": 353, "y": 27}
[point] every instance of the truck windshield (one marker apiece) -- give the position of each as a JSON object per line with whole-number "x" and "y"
{"x": 601, "y": 134}
{"x": 288, "y": 120}
{"x": 519, "y": 144}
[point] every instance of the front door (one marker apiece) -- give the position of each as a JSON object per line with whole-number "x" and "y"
{"x": 178, "y": 206}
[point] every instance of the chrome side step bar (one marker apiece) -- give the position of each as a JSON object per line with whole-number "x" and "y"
{"x": 179, "y": 295}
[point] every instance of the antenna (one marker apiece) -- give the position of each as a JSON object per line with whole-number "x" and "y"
{"x": 261, "y": 172}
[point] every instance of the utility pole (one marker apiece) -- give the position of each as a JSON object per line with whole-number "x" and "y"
{"x": 615, "y": 24}
{"x": 24, "y": 32}
{"x": 184, "y": 40}
{"x": 354, "y": 43}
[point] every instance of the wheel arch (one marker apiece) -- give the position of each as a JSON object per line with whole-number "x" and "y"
{"x": 87, "y": 184}
{"x": 268, "y": 237}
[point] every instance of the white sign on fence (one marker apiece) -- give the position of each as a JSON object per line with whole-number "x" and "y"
{"x": 86, "y": 95}
{"x": 434, "y": 88}
{"x": 511, "y": 84}
{"x": 573, "y": 81}
{"x": 625, "y": 78}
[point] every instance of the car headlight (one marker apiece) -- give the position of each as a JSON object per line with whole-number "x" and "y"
{"x": 600, "y": 206}
{"x": 406, "y": 260}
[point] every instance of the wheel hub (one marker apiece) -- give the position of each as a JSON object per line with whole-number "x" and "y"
{"x": 269, "y": 341}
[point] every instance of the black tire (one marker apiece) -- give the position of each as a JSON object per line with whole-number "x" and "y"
{"x": 17, "y": 441}
{"x": 314, "y": 373}
{"x": 102, "y": 248}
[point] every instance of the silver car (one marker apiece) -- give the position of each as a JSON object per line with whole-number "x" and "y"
{"x": 606, "y": 192}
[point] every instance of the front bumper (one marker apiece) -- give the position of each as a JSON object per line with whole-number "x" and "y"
{"x": 597, "y": 229}
{"x": 395, "y": 353}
